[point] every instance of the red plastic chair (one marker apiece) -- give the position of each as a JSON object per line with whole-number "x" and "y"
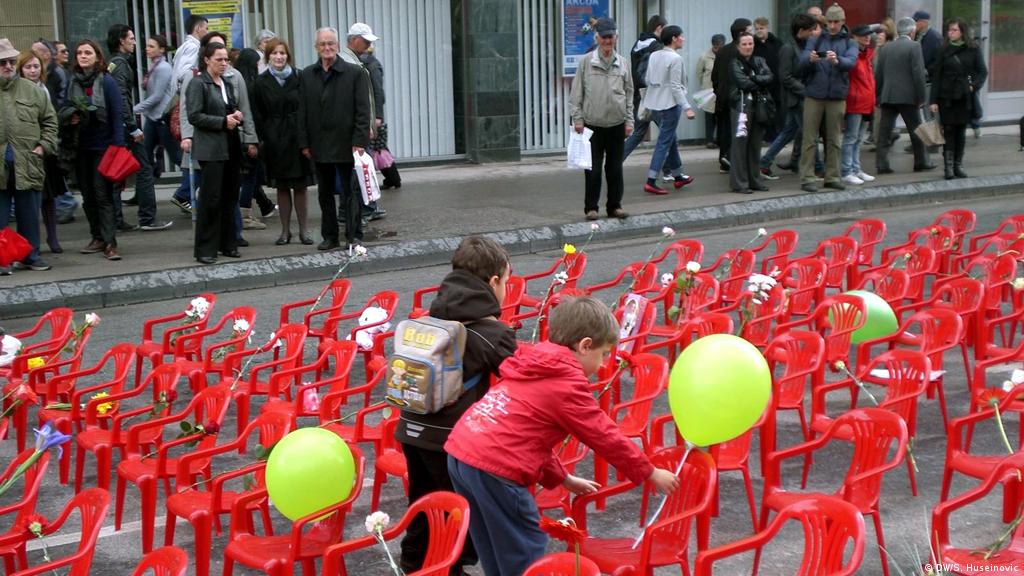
{"x": 650, "y": 377}
{"x": 291, "y": 338}
{"x": 332, "y": 301}
{"x": 704, "y": 294}
{"x": 665, "y": 543}
{"x": 830, "y": 526}
{"x": 1009, "y": 560}
{"x": 563, "y": 564}
{"x": 65, "y": 387}
{"x": 360, "y": 430}
{"x": 685, "y": 251}
{"x": 515, "y": 288}
{"x": 389, "y": 460}
{"x": 12, "y": 542}
{"x": 874, "y": 434}
{"x": 642, "y": 277}
{"x": 45, "y": 338}
{"x": 198, "y": 363}
{"x": 447, "y": 517}
{"x": 569, "y": 454}
{"x": 961, "y": 222}
{"x": 868, "y": 233}
{"x": 157, "y": 349}
{"x": 329, "y": 371}
{"x": 1011, "y": 225}
{"x": 759, "y": 326}
{"x": 804, "y": 281}
{"x": 905, "y": 381}
{"x": 959, "y": 456}
{"x": 166, "y": 561}
{"x": 932, "y": 332}
{"x": 573, "y": 265}
{"x": 841, "y": 253}
{"x": 92, "y": 506}
{"x": 923, "y": 262}
{"x": 731, "y": 270}
{"x": 890, "y": 284}
{"x": 276, "y": 555}
{"x": 385, "y": 299}
{"x": 784, "y": 244}
{"x": 935, "y": 236}
{"x": 801, "y": 354}
{"x": 102, "y": 436}
{"x": 965, "y": 297}
{"x": 202, "y": 508}
{"x": 836, "y": 318}
{"x": 143, "y": 469}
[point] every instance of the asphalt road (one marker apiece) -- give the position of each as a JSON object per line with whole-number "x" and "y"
{"x": 906, "y": 519}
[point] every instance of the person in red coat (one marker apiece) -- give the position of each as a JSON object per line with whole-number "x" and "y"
{"x": 503, "y": 444}
{"x": 860, "y": 105}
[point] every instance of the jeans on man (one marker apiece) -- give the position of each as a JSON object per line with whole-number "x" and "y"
{"x": 26, "y": 212}
{"x": 853, "y": 135}
{"x": 790, "y": 130}
{"x": 666, "y": 151}
{"x": 145, "y": 186}
{"x": 640, "y": 129}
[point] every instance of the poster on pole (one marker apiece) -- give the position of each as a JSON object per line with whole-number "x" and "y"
{"x": 578, "y": 19}
{"x": 224, "y": 16}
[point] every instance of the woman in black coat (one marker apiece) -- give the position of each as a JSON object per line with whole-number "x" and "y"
{"x": 276, "y": 110}
{"x": 750, "y": 77}
{"x": 216, "y": 144}
{"x": 959, "y": 73}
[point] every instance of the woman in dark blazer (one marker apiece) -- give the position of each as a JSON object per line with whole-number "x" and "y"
{"x": 960, "y": 73}
{"x": 214, "y": 114}
{"x": 750, "y": 76}
{"x": 276, "y": 110}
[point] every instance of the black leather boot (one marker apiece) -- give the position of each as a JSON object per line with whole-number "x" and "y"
{"x": 948, "y": 157}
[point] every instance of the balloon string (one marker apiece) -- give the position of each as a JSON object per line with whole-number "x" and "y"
{"x": 664, "y": 499}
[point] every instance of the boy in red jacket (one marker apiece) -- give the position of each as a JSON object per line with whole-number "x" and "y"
{"x": 503, "y": 444}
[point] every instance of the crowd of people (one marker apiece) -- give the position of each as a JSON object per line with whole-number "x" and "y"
{"x": 829, "y": 84}
{"x": 233, "y": 120}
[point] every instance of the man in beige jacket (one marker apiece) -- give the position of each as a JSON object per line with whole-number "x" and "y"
{"x": 705, "y": 65}
{"x": 602, "y": 100}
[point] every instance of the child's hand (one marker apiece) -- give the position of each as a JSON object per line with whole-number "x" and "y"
{"x": 578, "y": 485}
{"x": 664, "y": 481}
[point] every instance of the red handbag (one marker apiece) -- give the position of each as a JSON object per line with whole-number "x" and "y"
{"x": 118, "y": 163}
{"x": 13, "y": 247}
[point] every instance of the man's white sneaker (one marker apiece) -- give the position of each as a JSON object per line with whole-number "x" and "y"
{"x": 865, "y": 176}
{"x": 852, "y": 179}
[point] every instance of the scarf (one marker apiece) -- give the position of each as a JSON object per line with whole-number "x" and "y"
{"x": 282, "y": 75}
{"x": 152, "y": 66}
{"x": 88, "y": 86}
{"x": 957, "y": 43}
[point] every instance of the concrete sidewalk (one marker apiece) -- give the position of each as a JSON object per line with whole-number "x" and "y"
{"x": 532, "y": 205}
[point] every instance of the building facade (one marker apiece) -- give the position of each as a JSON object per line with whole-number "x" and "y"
{"x": 483, "y": 79}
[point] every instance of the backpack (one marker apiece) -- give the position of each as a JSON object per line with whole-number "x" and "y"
{"x": 640, "y": 57}
{"x": 425, "y": 372}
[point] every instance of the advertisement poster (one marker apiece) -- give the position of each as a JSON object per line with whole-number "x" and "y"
{"x": 578, "y": 19}
{"x": 225, "y": 16}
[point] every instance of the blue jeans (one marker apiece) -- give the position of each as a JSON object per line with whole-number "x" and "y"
{"x": 790, "y": 130}
{"x": 853, "y": 135}
{"x": 640, "y": 129}
{"x": 503, "y": 520}
{"x": 26, "y": 211}
{"x": 666, "y": 151}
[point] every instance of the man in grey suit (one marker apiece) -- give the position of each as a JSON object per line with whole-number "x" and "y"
{"x": 900, "y": 90}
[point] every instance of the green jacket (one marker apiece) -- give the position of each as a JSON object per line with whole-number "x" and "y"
{"x": 27, "y": 120}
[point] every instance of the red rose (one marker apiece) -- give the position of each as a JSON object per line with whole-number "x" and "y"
{"x": 211, "y": 427}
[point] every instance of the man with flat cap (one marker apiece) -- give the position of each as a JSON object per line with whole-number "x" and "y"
{"x": 602, "y": 100}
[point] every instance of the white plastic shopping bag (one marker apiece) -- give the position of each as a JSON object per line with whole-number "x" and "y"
{"x": 705, "y": 100}
{"x": 367, "y": 176}
{"x": 579, "y": 149}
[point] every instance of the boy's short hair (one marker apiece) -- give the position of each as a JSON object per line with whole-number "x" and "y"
{"x": 582, "y": 317}
{"x": 481, "y": 257}
{"x": 761, "y": 21}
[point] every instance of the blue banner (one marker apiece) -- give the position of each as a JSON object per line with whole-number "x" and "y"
{"x": 578, "y": 19}
{"x": 224, "y": 16}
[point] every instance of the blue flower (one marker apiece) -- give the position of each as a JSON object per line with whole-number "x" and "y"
{"x": 47, "y": 437}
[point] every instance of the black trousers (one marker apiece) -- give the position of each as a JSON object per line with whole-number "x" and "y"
{"x": 351, "y": 202}
{"x": 956, "y": 140}
{"x": 723, "y": 122}
{"x": 606, "y": 148}
{"x": 912, "y": 118}
{"x": 218, "y": 197}
{"x": 428, "y": 472}
{"x": 97, "y": 196}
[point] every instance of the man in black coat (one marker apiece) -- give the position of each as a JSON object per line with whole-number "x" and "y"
{"x": 721, "y": 80}
{"x": 334, "y": 123}
{"x": 768, "y": 46}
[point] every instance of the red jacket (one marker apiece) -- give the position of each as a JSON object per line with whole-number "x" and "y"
{"x": 542, "y": 396}
{"x": 861, "y": 99}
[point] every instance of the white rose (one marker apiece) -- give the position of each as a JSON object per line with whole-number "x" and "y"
{"x": 693, "y": 267}
{"x": 199, "y": 306}
{"x": 562, "y": 277}
{"x": 360, "y": 250}
{"x": 240, "y": 325}
{"x": 92, "y": 319}
{"x": 594, "y": 226}
{"x": 377, "y": 521}
{"x": 1018, "y": 283}
{"x": 762, "y": 232}
{"x": 1017, "y": 377}
{"x": 1007, "y": 386}
{"x": 668, "y": 231}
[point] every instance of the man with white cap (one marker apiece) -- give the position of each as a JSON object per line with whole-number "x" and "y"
{"x": 360, "y": 37}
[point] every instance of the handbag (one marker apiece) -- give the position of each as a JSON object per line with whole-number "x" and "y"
{"x": 117, "y": 164}
{"x": 13, "y": 247}
{"x": 764, "y": 107}
{"x": 930, "y": 132}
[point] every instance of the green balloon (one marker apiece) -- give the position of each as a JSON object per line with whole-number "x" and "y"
{"x": 881, "y": 320}
{"x": 718, "y": 389}
{"x": 309, "y": 469}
